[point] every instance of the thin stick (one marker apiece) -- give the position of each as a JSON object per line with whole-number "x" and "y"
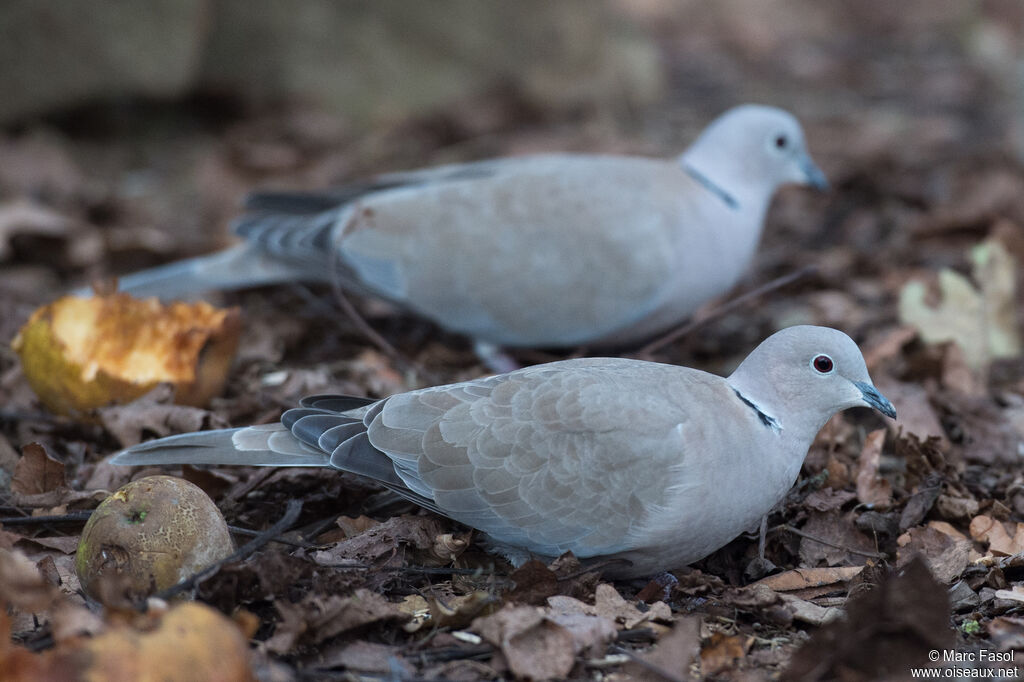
{"x": 362, "y": 325}
{"x": 249, "y": 533}
{"x": 73, "y": 517}
{"x": 812, "y": 538}
{"x": 291, "y": 514}
{"x": 724, "y": 309}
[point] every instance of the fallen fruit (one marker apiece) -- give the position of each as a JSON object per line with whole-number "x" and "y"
{"x": 190, "y": 642}
{"x": 81, "y": 353}
{"x": 151, "y": 533}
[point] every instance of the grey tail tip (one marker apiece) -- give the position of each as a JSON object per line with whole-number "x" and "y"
{"x": 875, "y": 399}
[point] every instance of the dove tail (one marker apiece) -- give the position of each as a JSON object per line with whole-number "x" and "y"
{"x": 264, "y": 445}
{"x": 237, "y": 267}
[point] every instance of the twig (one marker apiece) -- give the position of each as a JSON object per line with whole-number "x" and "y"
{"x": 72, "y": 517}
{"x": 291, "y": 514}
{"x": 646, "y": 635}
{"x": 827, "y": 543}
{"x": 595, "y": 567}
{"x": 452, "y": 653}
{"x": 363, "y": 326}
{"x": 422, "y": 570}
{"x": 656, "y": 669}
{"x": 248, "y": 532}
{"x": 725, "y": 308}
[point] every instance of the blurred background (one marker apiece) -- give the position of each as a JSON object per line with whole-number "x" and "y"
{"x": 129, "y": 132}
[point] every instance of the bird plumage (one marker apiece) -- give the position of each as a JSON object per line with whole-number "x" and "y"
{"x": 607, "y": 457}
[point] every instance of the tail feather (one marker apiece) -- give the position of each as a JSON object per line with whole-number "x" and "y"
{"x": 308, "y": 436}
{"x": 305, "y": 203}
{"x": 269, "y": 445}
{"x": 237, "y": 267}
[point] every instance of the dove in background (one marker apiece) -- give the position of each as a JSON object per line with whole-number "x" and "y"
{"x": 653, "y": 464}
{"x": 557, "y": 250}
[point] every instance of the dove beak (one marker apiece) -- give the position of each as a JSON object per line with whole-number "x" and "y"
{"x": 872, "y": 398}
{"x": 813, "y": 175}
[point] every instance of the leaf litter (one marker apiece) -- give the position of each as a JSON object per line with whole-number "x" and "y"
{"x": 899, "y": 538}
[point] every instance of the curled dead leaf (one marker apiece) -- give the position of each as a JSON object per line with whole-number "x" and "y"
{"x": 872, "y": 489}
{"x": 36, "y": 472}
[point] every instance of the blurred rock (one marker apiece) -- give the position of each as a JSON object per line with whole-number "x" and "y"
{"x": 59, "y": 54}
{"x": 386, "y": 59}
{"x": 364, "y": 60}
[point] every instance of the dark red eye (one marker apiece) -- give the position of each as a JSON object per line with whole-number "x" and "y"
{"x": 823, "y": 364}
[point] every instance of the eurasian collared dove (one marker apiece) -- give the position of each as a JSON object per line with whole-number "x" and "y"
{"x": 543, "y": 251}
{"x": 655, "y": 464}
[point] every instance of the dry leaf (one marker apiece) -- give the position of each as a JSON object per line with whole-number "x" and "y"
{"x": 803, "y": 578}
{"x": 674, "y": 653}
{"x": 872, "y": 489}
{"x": 36, "y": 472}
{"x": 1002, "y": 538}
{"x": 981, "y": 321}
{"x": 887, "y": 630}
{"x": 723, "y": 652}
{"x": 947, "y": 557}
{"x": 534, "y": 646}
{"x": 809, "y": 612}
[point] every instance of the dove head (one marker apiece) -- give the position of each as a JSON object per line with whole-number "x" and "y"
{"x": 750, "y": 150}
{"x": 803, "y": 375}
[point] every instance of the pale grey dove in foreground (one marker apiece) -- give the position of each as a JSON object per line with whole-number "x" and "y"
{"x": 543, "y": 251}
{"x": 655, "y": 464}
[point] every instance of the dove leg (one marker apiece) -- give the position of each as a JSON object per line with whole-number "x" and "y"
{"x": 494, "y": 358}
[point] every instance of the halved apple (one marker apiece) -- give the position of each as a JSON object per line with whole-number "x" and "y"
{"x": 81, "y": 353}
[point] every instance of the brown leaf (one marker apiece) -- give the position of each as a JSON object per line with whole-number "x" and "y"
{"x": 367, "y": 657}
{"x": 956, "y": 508}
{"x": 155, "y": 414}
{"x": 590, "y": 634}
{"x": 458, "y": 612}
{"x": 828, "y": 499}
{"x": 673, "y": 653}
{"x": 534, "y": 583}
{"x": 723, "y": 652}
{"x": 920, "y": 503}
{"x": 534, "y": 646}
{"x": 316, "y": 618}
{"x": 809, "y": 612}
{"x": 1002, "y": 538}
{"x": 754, "y": 596}
{"x": 21, "y": 584}
{"x": 946, "y": 556}
{"x": 383, "y": 544}
{"x": 608, "y": 603}
{"x": 803, "y": 578}
{"x": 872, "y": 489}
{"x": 840, "y": 532}
{"x": 887, "y": 630}
{"x": 65, "y": 544}
{"x": 37, "y": 472}
{"x": 1007, "y": 632}
{"x": 917, "y": 416}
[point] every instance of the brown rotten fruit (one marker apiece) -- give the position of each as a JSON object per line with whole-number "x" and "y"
{"x": 152, "y": 533}
{"x": 81, "y": 353}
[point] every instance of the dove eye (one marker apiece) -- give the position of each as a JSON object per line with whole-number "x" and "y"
{"x": 822, "y": 364}
{"x": 781, "y": 141}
